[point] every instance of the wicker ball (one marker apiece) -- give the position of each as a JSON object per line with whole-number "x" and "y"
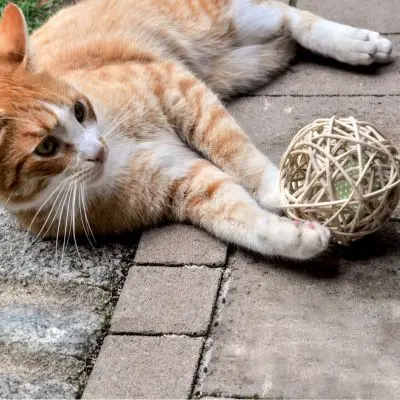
{"x": 342, "y": 173}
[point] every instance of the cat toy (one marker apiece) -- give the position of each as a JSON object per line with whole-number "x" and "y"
{"x": 342, "y": 173}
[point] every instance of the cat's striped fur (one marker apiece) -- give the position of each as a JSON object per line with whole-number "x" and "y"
{"x": 154, "y": 142}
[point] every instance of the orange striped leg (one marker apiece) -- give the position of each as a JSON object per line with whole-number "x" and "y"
{"x": 201, "y": 120}
{"x": 209, "y": 198}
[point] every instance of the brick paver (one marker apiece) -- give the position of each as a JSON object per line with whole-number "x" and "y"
{"x": 180, "y": 244}
{"x": 144, "y": 367}
{"x": 166, "y": 300}
{"x": 379, "y": 16}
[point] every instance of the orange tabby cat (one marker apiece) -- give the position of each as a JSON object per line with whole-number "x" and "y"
{"x": 110, "y": 119}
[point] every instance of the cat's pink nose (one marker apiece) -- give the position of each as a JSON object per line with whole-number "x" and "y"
{"x": 100, "y": 156}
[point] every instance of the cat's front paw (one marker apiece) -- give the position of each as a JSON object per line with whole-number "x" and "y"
{"x": 297, "y": 239}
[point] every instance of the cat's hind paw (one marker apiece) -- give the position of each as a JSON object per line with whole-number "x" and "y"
{"x": 367, "y": 47}
{"x": 352, "y": 45}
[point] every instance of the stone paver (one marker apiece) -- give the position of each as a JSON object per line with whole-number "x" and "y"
{"x": 144, "y": 367}
{"x": 27, "y": 374}
{"x": 180, "y": 244}
{"x": 311, "y": 75}
{"x": 60, "y": 319}
{"x": 166, "y": 300}
{"x": 327, "y": 329}
{"x": 369, "y": 14}
{"x": 46, "y": 331}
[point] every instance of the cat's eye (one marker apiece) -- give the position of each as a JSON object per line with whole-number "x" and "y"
{"x": 80, "y": 111}
{"x": 47, "y": 147}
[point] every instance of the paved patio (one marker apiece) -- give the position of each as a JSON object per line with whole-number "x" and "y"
{"x": 198, "y": 318}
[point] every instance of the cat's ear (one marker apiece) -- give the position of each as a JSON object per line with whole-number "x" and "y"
{"x": 14, "y": 36}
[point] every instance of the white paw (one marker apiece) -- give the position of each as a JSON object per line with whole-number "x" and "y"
{"x": 271, "y": 200}
{"x": 268, "y": 195}
{"x": 295, "y": 239}
{"x": 352, "y": 45}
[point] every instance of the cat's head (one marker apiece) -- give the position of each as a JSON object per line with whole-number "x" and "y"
{"x": 48, "y": 131}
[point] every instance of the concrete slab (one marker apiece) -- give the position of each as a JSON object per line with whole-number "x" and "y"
{"x": 367, "y": 14}
{"x": 166, "y": 300}
{"x": 144, "y": 367}
{"x": 180, "y": 244}
{"x": 327, "y": 329}
{"x": 313, "y": 75}
{"x": 273, "y": 121}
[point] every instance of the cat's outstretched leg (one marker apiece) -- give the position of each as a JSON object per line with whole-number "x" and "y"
{"x": 201, "y": 120}
{"x": 209, "y": 198}
{"x": 256, "y": 21}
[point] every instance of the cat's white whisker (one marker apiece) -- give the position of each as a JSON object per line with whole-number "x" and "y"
{"x": 114, "y": 130}
{"x": 60, "y": 186}
{"x": 25, "y": 245}
{"x": 121, "y": 117}
{"x": 67, "y": 223}
{"x": 49, "y": 216}
{"x": 83, "y": 222}
{"x": 59, "y": 220}
{"x": 52, "y": 208}
{"x": 54, "y": 216}
{"x": 59, "y": 213}
{"x": 73, "y": 221}
{"x": 56, "y": 212}
{"x": 9, "y": 198}
{"x": 117, "y": 125}
{"x": 44, "y": 203}
{"x": 113, "y": 121}
{"x": 84, "y": 192}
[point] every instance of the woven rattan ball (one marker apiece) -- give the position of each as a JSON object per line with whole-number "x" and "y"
{"x": 342, "y": 173}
